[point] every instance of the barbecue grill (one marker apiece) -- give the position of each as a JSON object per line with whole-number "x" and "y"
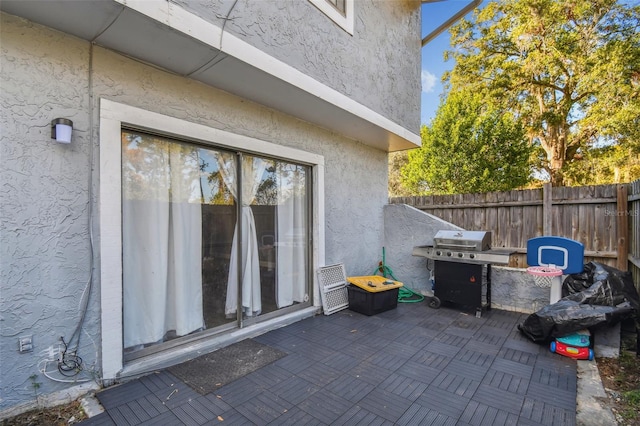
{"x": 462, "y": 267}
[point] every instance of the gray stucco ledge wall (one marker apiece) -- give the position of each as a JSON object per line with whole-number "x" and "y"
{"x": 512, "y": 289}
{"x": 404, "y": 228}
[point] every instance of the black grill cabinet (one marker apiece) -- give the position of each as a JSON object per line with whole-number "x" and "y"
{"x": 464, "y": 284}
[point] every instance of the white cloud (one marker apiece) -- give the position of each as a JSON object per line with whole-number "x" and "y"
{"x": 428, "y": 81}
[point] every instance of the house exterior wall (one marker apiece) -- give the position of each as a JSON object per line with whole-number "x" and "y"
{"x": 376, "y": 66}
{"x": 46, "y": 207}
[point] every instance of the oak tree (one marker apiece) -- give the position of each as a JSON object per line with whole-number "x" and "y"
{"x": 569, "y": 69}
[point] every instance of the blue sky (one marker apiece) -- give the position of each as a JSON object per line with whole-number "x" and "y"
{"x": 433, "y": 65}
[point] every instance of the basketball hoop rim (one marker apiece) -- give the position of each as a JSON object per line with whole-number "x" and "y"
{"x": 544, "y": 271}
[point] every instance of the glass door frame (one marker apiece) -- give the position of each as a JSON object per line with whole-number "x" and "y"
{"x": 113, "y": 118}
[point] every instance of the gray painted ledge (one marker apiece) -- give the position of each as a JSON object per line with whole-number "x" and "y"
{"x": 591, "y": 400}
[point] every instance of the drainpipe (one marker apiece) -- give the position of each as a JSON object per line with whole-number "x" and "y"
{"x": 449, "y": 22}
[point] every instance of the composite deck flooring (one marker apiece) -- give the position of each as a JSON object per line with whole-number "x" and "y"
{"x": 412, "y": 365}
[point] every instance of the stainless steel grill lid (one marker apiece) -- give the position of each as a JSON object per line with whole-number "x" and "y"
{"x": 463, "y": 240}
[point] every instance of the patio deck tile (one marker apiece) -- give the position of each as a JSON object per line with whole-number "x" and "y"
{"x": 418, "y": 371}
{"x": 359, "y": 350}
{"x": 235, "y": 393}
{"x": 512, "y": 367}
{"x": 349, "y": 388}
{"x": 507, "y": 382}
{"x": 418, "y": 415}
{"x": 453, "y": 339}
{"x": 443, "y": 402}
{"x": 442, "y": 348}
{"x": 341, "y": 362}
{"x": 498, "y": 398}
{"x": 295, "y": 389}
{"x": 552, "y": 395}
{"x": 475, "y": 358}
{"x": 385, "y": 404}
{"x": 294, "y": 363}
{"x": 232, "y": 417}
{"x": 203, "y": 407}
{"x": 477, "y": 414}
{"x": 456, "y": 384}
{"x": 325, "y": 406}
{"x": 264, "y": 408}
{"x": 191, "y": 416}
{"x": 358, "y": 416}
{"x": 214, "y": 403}
{"x": 296, "y": 417}
{"x": 319, "y": 374}
{"x": 269, "y": 375}
{"x": 122, "y": 394}
{"x": 370, "y": 373}
{"x": 409, "y": 366}
{"x": 124, "y": 417}
{"x": 465, "y": 369}
{"x": 540, "y": 413}
{"x": 165, "y": 419}
{"x": 406, "y": 387}
{"x": 516, "y": 355}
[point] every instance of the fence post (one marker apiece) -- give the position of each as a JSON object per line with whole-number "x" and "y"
{"x": 547, "y": 202}
{"x": 622, "y": 225}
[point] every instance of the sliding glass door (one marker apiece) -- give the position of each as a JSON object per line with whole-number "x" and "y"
{"x": 211, "y": 239}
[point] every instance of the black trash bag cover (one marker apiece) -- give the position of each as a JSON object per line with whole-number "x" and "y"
{"x": 600, "y": 295}
{"x": 600, "y": 284}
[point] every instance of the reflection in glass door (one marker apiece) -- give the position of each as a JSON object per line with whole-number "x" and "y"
{"x": 276, "y": 208}
{"x": 191, "y": 257}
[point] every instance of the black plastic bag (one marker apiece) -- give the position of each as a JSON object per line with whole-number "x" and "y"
{"x": 600, "y": 295}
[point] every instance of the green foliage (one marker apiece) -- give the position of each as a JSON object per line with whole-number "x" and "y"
{"x": 397, "y": 160}
{"x": 35, "y": 384}
{"x": 604, "y": 165}
{"x": 570, "y": 70}
{"x": 469, "y": 147}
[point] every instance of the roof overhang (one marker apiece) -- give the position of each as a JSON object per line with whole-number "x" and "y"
{"x": 449, "y": 22}
{"x": 168, "y": 36}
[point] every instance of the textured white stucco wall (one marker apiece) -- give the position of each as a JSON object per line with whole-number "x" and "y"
{"x": 44, "y": 206}
{"x": 512, "y": 289}
{"x": 44, "y": 196}
{"x": 405, "y": 228}
{"x": 378, "y": 66}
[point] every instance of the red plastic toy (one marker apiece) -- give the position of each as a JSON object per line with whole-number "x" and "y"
{"x": 571, "y": 351}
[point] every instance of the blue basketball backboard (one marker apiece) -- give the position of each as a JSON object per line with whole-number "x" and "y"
{"x": 561, "y": 252}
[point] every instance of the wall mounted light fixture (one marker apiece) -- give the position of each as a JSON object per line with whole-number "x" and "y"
{"x": 61, "y": 130}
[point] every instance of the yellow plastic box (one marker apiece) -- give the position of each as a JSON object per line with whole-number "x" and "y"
{"x": 370, "y": 295}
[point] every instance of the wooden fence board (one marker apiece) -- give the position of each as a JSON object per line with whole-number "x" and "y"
{"x": 587, "y": 214}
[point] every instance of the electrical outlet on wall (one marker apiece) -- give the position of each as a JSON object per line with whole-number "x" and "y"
{"x": 25, "y": 344}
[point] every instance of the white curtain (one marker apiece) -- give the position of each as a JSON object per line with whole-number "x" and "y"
{"x": 252, "y": 170}
{"x": 162, "y": 241}
{"x": 291, "y": 236}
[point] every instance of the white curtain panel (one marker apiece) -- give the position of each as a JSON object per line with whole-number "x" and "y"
{"x": 162, "y": 242}
{"x": 252, "y": 171}
{"x": 291, "y": 215}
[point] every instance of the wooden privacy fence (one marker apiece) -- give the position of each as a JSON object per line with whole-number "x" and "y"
{"x": 605, "y": 218}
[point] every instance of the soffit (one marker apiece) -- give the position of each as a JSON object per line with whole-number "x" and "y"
{"x": 165, "y": 35}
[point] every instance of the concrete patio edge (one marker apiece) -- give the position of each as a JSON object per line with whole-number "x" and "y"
{"x": 591, "y": 409}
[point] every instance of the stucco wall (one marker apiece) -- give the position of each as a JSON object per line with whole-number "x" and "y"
{"x": 512, "y": 289}
{"x": 405, "y": 228}
{"x": 378, "y": 66}
{"x": 44, "y": 209}
{"x": 44, "y": 197}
